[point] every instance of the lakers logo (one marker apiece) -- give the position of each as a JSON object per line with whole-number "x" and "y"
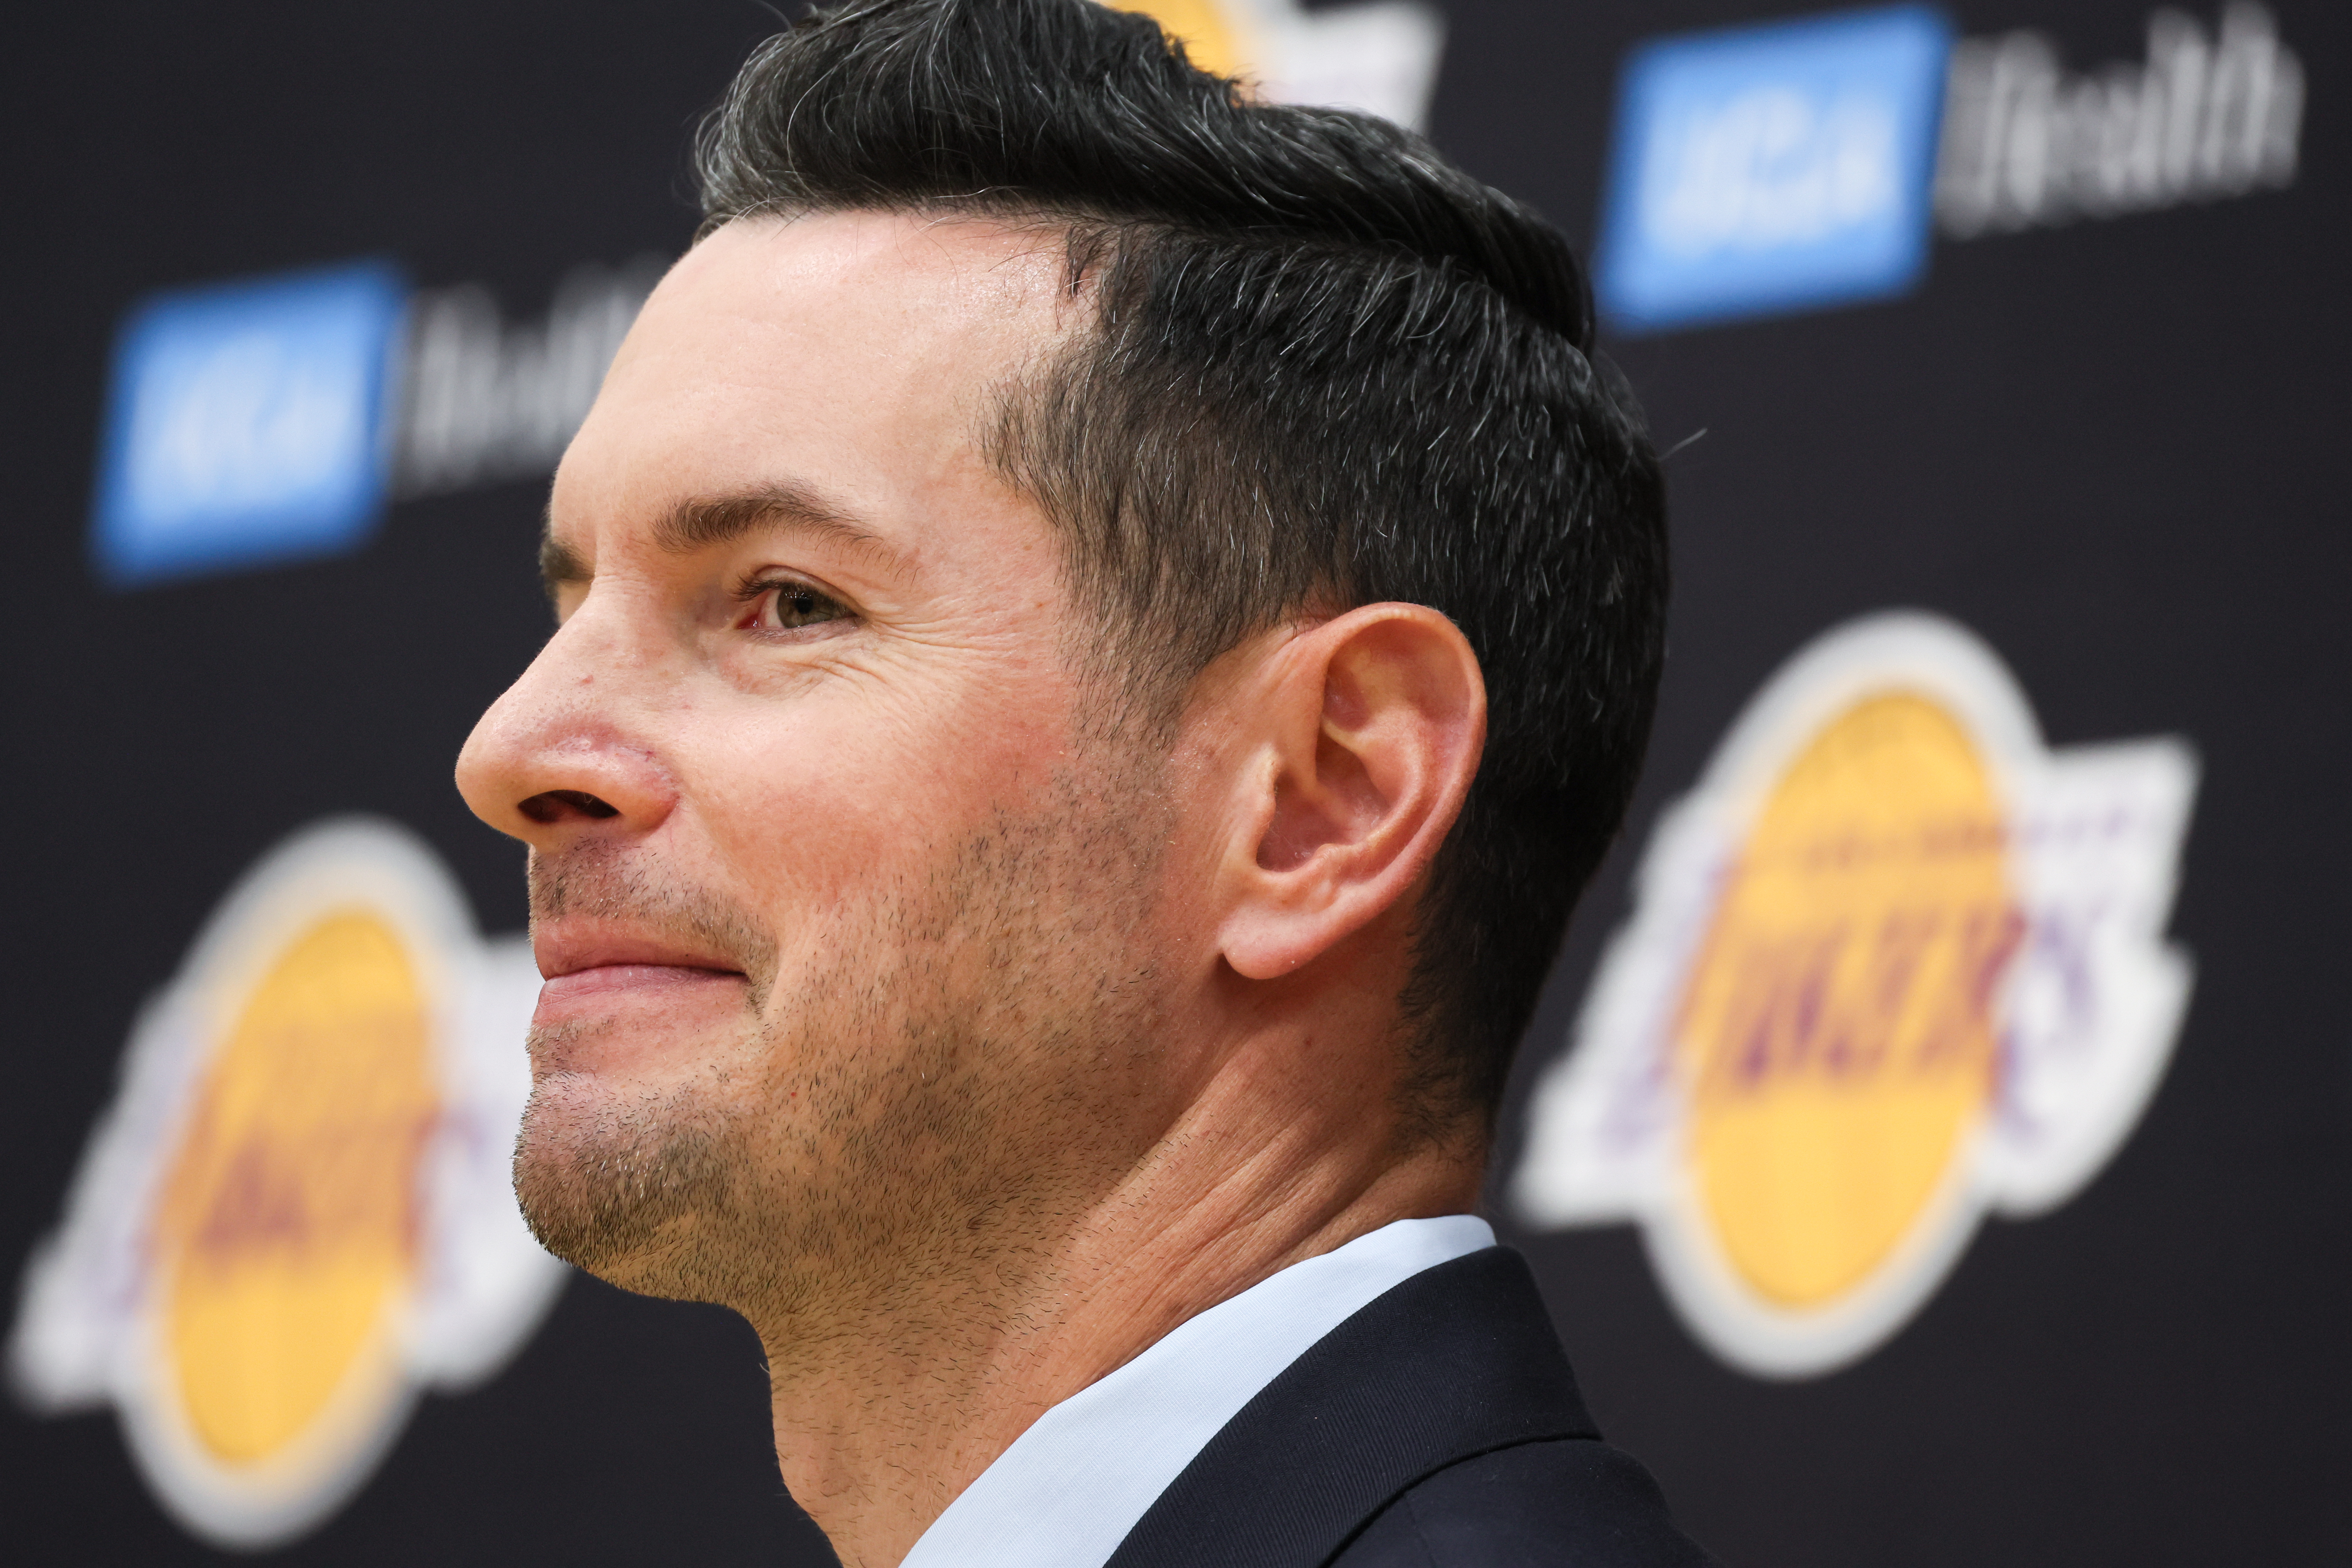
{"x": 297, "y": 1214}
{"x": 1218, "y": 35}
{"x": 1381, "y": 57}
{"x": 1894, "y": 965}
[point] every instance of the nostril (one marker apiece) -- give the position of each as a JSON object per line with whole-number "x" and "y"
{"x": 555, "y": 805}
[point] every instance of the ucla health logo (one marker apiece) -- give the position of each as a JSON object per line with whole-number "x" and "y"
{"x": 1895, "y": 965}
{"x": 273, "y": 420}
{"x": 1772, "y": 167}
{"x": 297, "y": 1214}
{"x": 1805, "y": 163}
{"x": 247, "y": 424}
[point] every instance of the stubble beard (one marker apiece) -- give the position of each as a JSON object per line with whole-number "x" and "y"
{"x": 918, "y": 1110}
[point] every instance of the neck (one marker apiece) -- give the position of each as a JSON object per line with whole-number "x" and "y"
{"x": 885, "y": 1414}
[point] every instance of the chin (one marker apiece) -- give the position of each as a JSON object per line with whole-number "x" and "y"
{"x": 621, "y": 1194}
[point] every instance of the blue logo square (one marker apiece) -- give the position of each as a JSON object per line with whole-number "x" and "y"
{"x": 1759, "y": 169}
{"x": 245, "y": 425}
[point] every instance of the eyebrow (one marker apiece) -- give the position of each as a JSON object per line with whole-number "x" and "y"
{"x": 701, "y": 522}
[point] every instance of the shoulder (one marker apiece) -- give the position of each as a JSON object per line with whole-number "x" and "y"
{"x": 1566, "y": 1501}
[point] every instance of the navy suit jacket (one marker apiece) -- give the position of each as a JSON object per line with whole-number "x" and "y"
{"x": 1438, "y": 1428}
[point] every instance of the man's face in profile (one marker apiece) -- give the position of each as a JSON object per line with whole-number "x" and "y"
{"x": 837, "y": 875}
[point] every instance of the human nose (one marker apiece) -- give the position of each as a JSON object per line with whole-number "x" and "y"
{"x": 566, "y": 751}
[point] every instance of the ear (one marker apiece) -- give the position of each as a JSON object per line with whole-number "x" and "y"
{"x": 1366, "y": 732}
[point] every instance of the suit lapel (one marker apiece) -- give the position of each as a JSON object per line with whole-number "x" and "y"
{"x": 1458, "y": 1360}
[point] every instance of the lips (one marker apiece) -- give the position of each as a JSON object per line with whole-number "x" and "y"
{"x": 585, "y": 962}
{"x": 566, "y": 948}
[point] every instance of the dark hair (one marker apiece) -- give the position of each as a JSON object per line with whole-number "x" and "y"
{"x": 1328, "y": 369}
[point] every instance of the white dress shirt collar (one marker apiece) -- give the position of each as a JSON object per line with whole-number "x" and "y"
{"x": 1070, "y": 1488}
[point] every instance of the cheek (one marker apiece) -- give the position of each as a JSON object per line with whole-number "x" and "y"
{"x": 818, "y": 809}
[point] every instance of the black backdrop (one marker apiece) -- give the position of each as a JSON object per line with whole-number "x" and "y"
{"x": 2117, "y": 450}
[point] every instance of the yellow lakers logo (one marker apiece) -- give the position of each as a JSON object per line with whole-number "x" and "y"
{"x": 298, "y": 1212}
{"x": 1381, "y": 56}
{"x": 286, "y": 1228}
{"x": 1828, "y": 1042}
{"x": 1217, "y": 34}
{"x": 1836, "y": 1035}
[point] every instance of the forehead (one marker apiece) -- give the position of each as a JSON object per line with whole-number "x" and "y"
{"x": 857, "y": 355}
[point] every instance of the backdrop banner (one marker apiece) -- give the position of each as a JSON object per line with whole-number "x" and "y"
{"x": 1936, "y": 1141}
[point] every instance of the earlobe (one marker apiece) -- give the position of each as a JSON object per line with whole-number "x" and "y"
{"x": 1373, "y": 723}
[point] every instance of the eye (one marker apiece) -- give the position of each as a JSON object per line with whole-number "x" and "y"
{"x": 786, "y": 604}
